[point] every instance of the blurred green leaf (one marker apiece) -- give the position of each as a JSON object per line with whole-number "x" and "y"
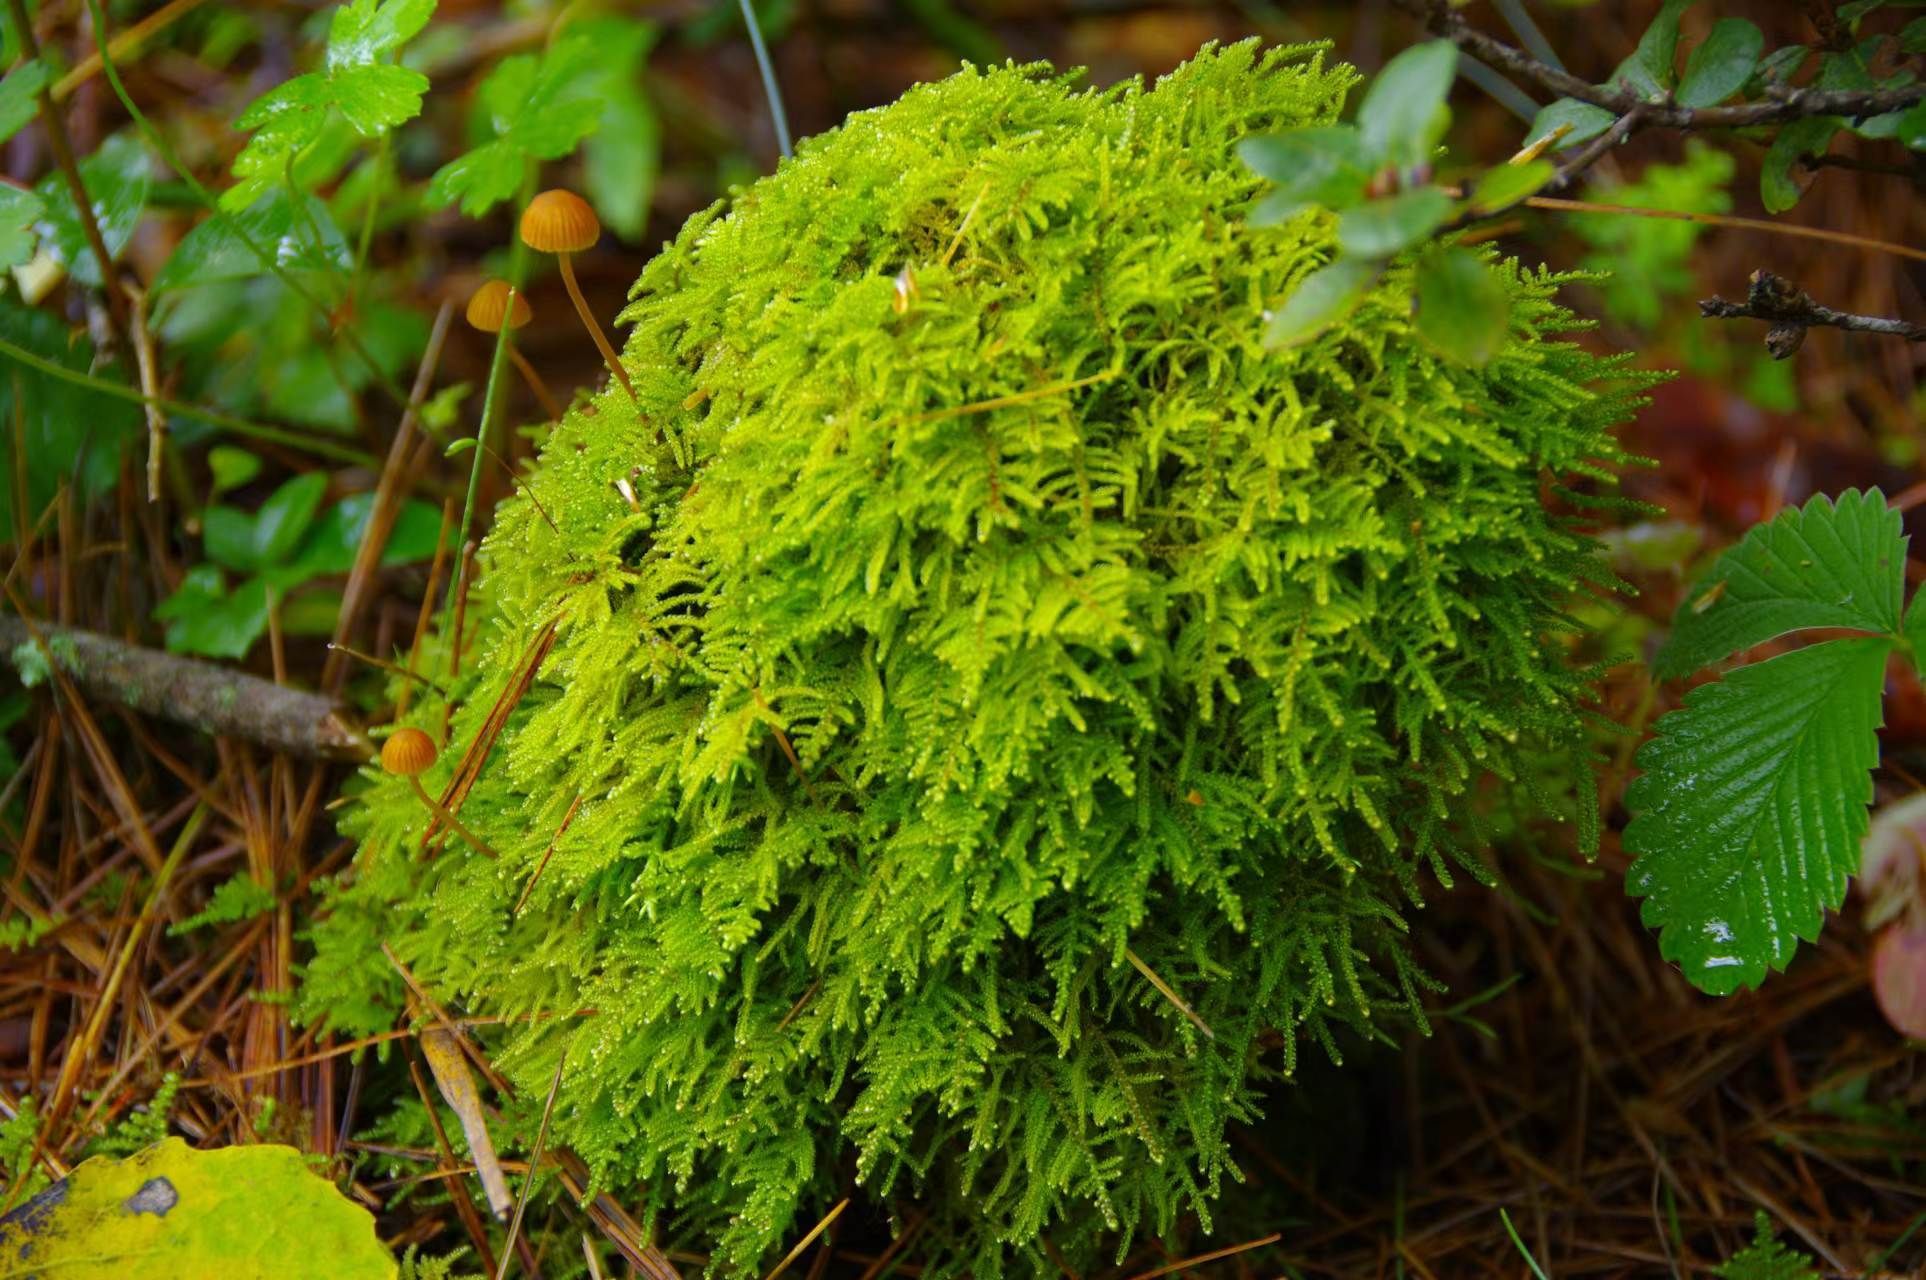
{"x": 1644, "y": 264}
{"x": 1795, "y": 140}
{"x": 1507, "y": 184}
{"x": 285, "y": 517}
{"x": 1320, "y": 166}
{"x": 1399, "y": 119}
{"x": 231, "y": 467}
{"x": 1381, "y": 228}
{"x": 1586, "y": 121}
{"x": 1912, "y": 37}
{"x": 203, "y": 617}
{"x": 1463, "y": 309}
{"x": 218, "y": 249}
{"x": 534, "y": 108}
{"x": 69, "y": 434}
{"x": 1912, "y": 128}
{"x": 330, "y": 548}
{"x": 1722, "y": 63}
{"x": 19, "y": 211}
{"x": 620, "y": 159}
{"x": 1781, "y": 65}
{"x": 20, "y": 96}
{"x": 1321, "y": 299}
{"x": 116, "y": 177}
{"x": 227, "y": 537}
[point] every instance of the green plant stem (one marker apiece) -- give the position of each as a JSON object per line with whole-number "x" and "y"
{"x": 377, "y": 171}
{"x": 63, "y": 153}
{"x": 239, "y": 426}
{"x": 456, "y": 586}
{"x": 388, "y": 385}
{"x": 777, "y": 115}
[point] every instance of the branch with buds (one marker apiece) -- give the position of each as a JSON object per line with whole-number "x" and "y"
{"x": 1791, "y": 311}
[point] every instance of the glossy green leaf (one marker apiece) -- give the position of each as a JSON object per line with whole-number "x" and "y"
{"x": 1384, "y": 227}
{"x": 300, "y": 239}
{"x": 1317, "y": 166}
{"x": 116, "y": 177}
{"x": 1399, "y": 119}
{"x": 1751, "y": 808}
{"x": 365, "y": 31}
{"x": 204, "y": 618}
{"x": 1722, "y": 63}
{"x": 1825, "y": 564}
{"x": 19, "y": 211}
{"x": 376, "y": 99}
{"x": 1586, "y": 121}
{"x": 1463, "y": 308}
{"x": 1507, "y": 184}
{"x": 1323, "y": 298}
{"x": 285, "y": 517}
{"x": 20, "y": 96}
{"x": 240, "y": 1211}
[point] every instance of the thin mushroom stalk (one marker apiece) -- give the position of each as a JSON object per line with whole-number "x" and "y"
{"x": 496, "y": 306}
{"x": 409, "y": 753}
{"x": 561, "y": 222}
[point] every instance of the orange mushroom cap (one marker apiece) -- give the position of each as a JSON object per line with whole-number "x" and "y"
{"x": 408, "y": 752}
{"x": 559, "y": 221}
{"x": 489, "y": 307}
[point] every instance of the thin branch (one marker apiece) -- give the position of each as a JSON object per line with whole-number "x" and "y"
{"x": 1791, "y": 311}
{"x": 205, "y": 696}
{"x": 1786, "y": 104}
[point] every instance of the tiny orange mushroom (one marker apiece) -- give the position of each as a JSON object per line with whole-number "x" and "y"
{"x": 409, "y": 753}
{"x": 495, "y": 306}
{"x": 561, "y": 222}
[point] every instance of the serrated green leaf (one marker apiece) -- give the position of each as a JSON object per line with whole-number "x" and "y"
{"x": 1381, "y": 228}
{"x": 1824, "y": 564}
{"x": 1766, "y": 1259}
{"x": 1463, "y": 308}
{"x": 20, "y": 96}
{"x": 376, "y": 99}
{"x": 254, "y": 1210}
{"x": 1398, "y": 121}
{"x": 1722, "y": 63}
{"x": 1319, "y": 166}
{"x": 366, "y": 30}
{"x": 1586, "y": 121}
{"x": 1320, "y": 300}
{"x": 1750, "y": 810}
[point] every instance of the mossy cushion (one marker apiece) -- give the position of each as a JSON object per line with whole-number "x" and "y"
{"x": 999, "y": 710}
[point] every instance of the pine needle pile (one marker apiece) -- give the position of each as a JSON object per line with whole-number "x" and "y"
{"x": 977, "y": 715}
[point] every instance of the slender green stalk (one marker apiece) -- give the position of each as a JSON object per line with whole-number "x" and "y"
{"x": 214, "y": 418}
{"x": 213, "y": 205}
{"x": 377, "y": 173}
{"x": 769, "y": 87}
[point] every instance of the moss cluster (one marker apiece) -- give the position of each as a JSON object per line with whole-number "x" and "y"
{"x": 998, "y": 710}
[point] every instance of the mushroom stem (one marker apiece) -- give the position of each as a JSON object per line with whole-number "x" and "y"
{"x": 441, "y": 811}
{"x": 595, "y": 330}
{"x": 535, "y": 383}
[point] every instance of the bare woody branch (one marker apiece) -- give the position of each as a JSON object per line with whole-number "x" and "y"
{"x": 201, "y": 695}
{"x": 1784, "y": 104}
{"x": 1791, "y": 311}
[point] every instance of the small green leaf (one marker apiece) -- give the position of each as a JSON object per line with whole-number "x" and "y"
{"x": 1796, "y": 139}
{"x": 1322, "y": 166}
{"x": 331, "y": 545}
{"x": 1385, "y": 227}
{"x": 250, "y": 1210}
{"x": 376, "y": 99}
{"x": 203, "y": 617}
{"x": 1765, "y": 1258}
{"x": 1722, "y": 63}
{"x": 1321, "y": 299}
{"x": 227, "y": 537}
{"x": 116, "y": 178}
{"x": 1586, "y": 121}
{"x": 20, "y": 96}
{"x": 1652, "y": 68}
{"x": 1507, "y": 184}
{"x": 239, "y": 897}
{"x": 364, "y": 31}
{"x": 1749, "y": 813}
{"x": 1463, "y": 308}
{"x": 1399, "y": 119}
{"x": 19, "y": 211}
{"x": 1824, "y": 564}
{"x": 537, "y": 107}
{"x": 231, "y": 467}
{"x": 285, "y": 517}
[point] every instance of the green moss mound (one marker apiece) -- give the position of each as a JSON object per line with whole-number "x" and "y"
{"x": 1005, "y": 670}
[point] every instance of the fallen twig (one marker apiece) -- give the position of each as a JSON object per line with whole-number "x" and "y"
{"x": 1791, "y": 311}
{"x": 202, "y": 695}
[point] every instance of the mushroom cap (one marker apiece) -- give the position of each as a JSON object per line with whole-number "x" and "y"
{"x": 408, "y": 752}
{"x": 559, "y": 221}
{"x": 489, "y": 307}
